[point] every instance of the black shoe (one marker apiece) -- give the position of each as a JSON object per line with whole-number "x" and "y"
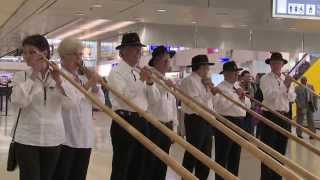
{"x": 311, "y": 137}
{"x": 300, "y": 136}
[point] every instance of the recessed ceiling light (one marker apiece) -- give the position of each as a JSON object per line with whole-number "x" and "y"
{"x": 194, "y": 22}
{"x": 96, "y": 6}
{"x": 222, "y": 14}
{"x": 162, "y": 10}
{"x": 292, "y": 28}
{"x": 79, "y": 13}
{"x": 227, "y": 26}
{"x": 243, "y": 25}
{"x": 278, "y": 18}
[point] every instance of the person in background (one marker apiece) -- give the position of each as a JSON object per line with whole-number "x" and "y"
{"x": 250, "y": 89}
{"x": 39, "y": 93}
{"x": 307, "y": 104}
{"x": 162, "y": 104}
{"x": 227, "y": 152}
{"x": 76, "y": 149}
{"x": 198, "y": 131}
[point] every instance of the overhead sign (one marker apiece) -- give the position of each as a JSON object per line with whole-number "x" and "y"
{"x": 299, "y": 9}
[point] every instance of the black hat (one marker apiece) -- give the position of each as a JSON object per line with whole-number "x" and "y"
{"x": 230, "y": 66}
{"x": 159, "y": 51}
{"x": 172, "y": 53}
{"x": 276, "y": 56}
{"x": 201, "y": 59}
{"x": 130, "y": 39}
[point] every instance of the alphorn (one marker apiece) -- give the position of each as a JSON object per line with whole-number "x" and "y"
{"x": 281, "y": 158}
{"x": 302, "y": 85}
{"x": 168, "y": 132}
{"x": 164, "y": 157}
{"x": 306, "y": 130}
{"x": 273, "y": 125}
{"x": 265, "y": 158}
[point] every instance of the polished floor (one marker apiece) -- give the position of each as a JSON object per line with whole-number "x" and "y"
{"x": 100, "y": 164}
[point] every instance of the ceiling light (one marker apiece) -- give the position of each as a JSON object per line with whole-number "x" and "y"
{"x": 162, "y": 10}
{"x": 222, "y": 14}
{"x": 227, "y": 26}
{"x": 243, "y": 25}
{"x": 194, "y": 22}
{"x": 96, "y": 6}
{"x": 292, "y": 28}
{"x": 82, "y": 28}
{"x": 110, "y": 28}
{"x": 79, "y": 13}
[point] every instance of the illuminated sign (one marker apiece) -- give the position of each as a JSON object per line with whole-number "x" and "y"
{"x": 299, "y": 9}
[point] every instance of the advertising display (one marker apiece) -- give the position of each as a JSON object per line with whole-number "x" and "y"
{"x": 299, "y": 9}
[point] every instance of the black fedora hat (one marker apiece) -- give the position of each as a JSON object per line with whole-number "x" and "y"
{"x": 130, "y": 39}
{"x": 230, "y": 66}
{"x": 200, "y": 59}
{"x": 276, "y": 56}
{"x": 159, "y": 51}
{"x": 172, "y": 53}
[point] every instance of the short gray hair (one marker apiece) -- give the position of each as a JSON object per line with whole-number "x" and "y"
{"x": 69, "y": 46}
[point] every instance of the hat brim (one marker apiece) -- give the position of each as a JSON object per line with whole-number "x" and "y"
{"x": 267, "y": 61}
{"x": 130, "y": 44}
{"x": 209, "y": 64}
{"x": 237, "y": 70}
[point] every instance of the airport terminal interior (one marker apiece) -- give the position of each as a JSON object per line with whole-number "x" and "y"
{"x": 253, "y": 34}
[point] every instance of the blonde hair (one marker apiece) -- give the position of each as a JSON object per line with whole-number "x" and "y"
{"x": 69, "y": 46}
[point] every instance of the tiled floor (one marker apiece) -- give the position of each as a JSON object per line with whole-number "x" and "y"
{"x": 100, "y": 164}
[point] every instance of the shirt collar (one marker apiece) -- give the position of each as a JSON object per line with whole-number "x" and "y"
{"x": 125, "y": 66}
{"x": 276, "y": 76}
{"x": 228, "y": 84}
{"x": 196, "y": 76}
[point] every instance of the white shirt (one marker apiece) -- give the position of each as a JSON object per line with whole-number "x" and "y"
{"x": 162, "y": 104}
{"x": 192, "y": 86}
{"x": 77, "y": 120}
{"x": 127, "y": 82}
{"x": 275, "y": 93}
{"x": 40, "y": 122}
{"x": 224, "y": 106}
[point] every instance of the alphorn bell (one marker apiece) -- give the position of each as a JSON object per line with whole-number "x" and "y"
{"x": 265, "y": 158}
{"x": 168, "y": 132}
{"x": 164, "y": 157}
{"x": 281, "y": 158}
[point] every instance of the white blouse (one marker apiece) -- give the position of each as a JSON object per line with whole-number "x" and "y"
{"x": 192, "y": 85}
{"x": 224, "y": 106}
{"x": 162, "y": 104}
{"x": 275, "y": 93}
{"x": 77, "y": 120}
{"x": 40, "y": 122}
{"x": 127, "y": 82}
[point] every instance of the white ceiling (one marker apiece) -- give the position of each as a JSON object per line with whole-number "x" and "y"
{"x": 57, "y": 16}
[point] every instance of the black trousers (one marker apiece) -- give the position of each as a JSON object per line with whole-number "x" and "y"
{"x": 227, "y": 152}
{"x": 248, "y": 124}
{"x": 156, "y": 169}
{"x": 275, "y": 140}
{"x": 128, "y": 154}
{"x": 199, "y": 134}
{"x": 36, "y": 163}
{"x": 73, "y": 163}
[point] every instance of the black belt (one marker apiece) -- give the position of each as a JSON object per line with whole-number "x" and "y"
{"x": 127, "y": 113}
